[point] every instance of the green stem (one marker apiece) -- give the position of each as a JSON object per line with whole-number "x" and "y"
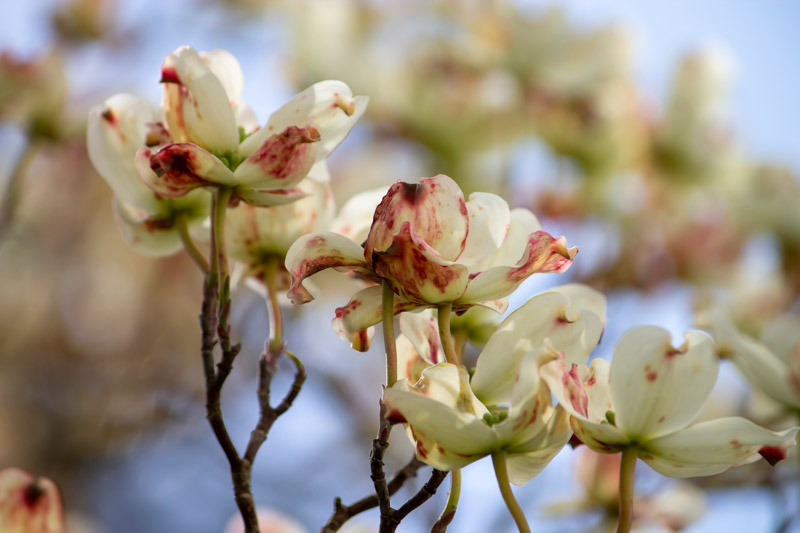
{"x": 451, "y": 506}
{"x": 388, "y": 334}
{"x": 444, "y": 334}
{"x": 219, "y": 253}
{"x": 626, "y": 469}
{"x": 274, "y": 307}
{"x": 182, "y": 225}
{"x": 501, "y": 471}
{"x": 460, "y": 341}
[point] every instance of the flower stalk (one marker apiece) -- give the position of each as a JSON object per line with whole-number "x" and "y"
{"x": 388, "y": 334}
{"x": 501, "y": 472}
{"x": 626, "y": 470}
{"x": 444, "y": 333}
{"x": 182, "y": 225}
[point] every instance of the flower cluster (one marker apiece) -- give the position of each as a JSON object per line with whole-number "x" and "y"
{"x": 433, "y": 248}
{"x": 205, "y": 136}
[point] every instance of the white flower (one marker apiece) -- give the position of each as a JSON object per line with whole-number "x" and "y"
{"x": 204, "y": 114}
{"x": 432, "y": 247}
{"x": 647, "y": 396}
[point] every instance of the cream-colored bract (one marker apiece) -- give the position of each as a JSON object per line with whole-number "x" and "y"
{"x": 433, "y": 248}
{"x": 647, "y": 397}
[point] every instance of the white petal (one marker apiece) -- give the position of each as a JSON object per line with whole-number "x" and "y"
{"x": 422, "y": 330}
{"x": 489, "y": 221}
{"x": 530, "y": 403}
{"x": 443, "y": 408}
{"x": 543, "y": 254}
{"x": 329, "y": 106}
{"x": 115, "y": 131}
{"x": 522, "y": 224}
{"x": 584, "y": 393}
{"x": 269, "y": 197}
{"x": 524, "y": 466}
{"x": 765, "y": 371}
{"x": 355, "y": 216}
{"x": 763, "y": 368}
{"x": 354, "y": 321}
{"x": 143, "y": 233}
{"x": 410, "y": 363}
{"x": 318, "y": 251}
{"x": 583, "y": 297}
{"x": 543, "y": 317}
{"x": 658, "y": 389}
{"x": 712, "y": 447}
{"x": 196, "y": 104}
{"x": 256, "y": 233}
{"x": 228, "y": 71}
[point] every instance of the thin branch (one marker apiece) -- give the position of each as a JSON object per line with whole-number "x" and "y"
{"x": 342, "y": 513}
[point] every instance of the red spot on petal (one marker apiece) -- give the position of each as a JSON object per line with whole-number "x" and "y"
{"x": 652, "y": 376}
{"x": 33, "y": 493}
{"x": 169, "y": 75}
{"x": 773, "y": 454}
{"x": 396, "y": 417}
{"x": 661, "y": 419}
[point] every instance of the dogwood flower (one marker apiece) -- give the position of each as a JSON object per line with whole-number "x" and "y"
{"x": 28, "y": 504}
{"x": 115, "y": 131}
{"x": 429, "y": 244}
{"x": 209, "y": 140}
{"x": 451, "y": 428}
{"x": 258, "y": 236}
{"x": 454, "y": 421}
{"x": 772, "y": 365}
{"x": 647, "y": 396}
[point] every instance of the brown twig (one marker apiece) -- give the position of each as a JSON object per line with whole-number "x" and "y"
{"x": 216, "y": 330}
{"x": 342, "y": 513}
{"x": 390, "y": 518}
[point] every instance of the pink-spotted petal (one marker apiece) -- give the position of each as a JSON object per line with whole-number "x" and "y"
{"x": 522, "y": 224}
{"x": 584, "y": 393}
{"x": 115, "y": 131}
{"x": 530, "y": 402}
{"x": 270, "y": 197}
{"x": 712, "y": 447}
{"x": 442, "y": 408}
{"x": 256, "y": 233}
{"x": 29, "y": 505}
{"x": 354, "y": 321}
{"x": 544, "y": 254}
{"x": 196, "y": 106}
{"x": 178, "y": 168}
{"x": 435, "y": 209}
{"x": 489, "y": 222}
{"x": 527, "y": 461}
{"x": 150, "y": 235}
{"x": 281, "y": 161}
{"x": 416, "y": 272}
{"x": 421, "y": 328}
{"x": 656, "y": 388}
{"x": 328, "y": 106}
{"x": 318, "y": 251}
{"x": 546, "y": 318}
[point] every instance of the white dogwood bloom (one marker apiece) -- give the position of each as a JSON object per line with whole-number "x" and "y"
{"x": 115, "y": 131}
{"x": 211, "y": 139}
{"x": 431, "y": 246}
{"x": 454, "y": 421}
{"x": 647, "y": 397}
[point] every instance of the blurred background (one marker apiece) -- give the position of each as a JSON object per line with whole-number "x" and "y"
{"x": 661, "y": 138}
